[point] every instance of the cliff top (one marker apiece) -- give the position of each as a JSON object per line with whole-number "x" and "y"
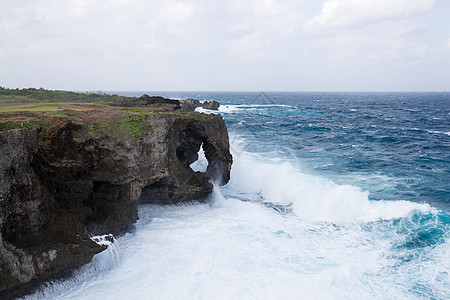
{"x": 32, "y": 94}
{"x": 84, "y": 167}
{"x": 97, "y": 114}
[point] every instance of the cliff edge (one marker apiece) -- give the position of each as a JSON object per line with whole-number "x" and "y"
{"x": 82, "y": 171}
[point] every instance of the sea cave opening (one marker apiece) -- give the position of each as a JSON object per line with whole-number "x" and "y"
{"x": 201, "y": 164}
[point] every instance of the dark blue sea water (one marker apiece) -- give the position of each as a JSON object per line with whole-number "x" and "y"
{"x": 332, "y": 196}
{"x": 395, "y": 145}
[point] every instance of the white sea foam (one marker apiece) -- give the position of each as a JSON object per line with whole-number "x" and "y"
{"x": 438, "y": 132}
{"x": 222, "y": 109}
{"x": 232, "y": 108}
{"x": 101, "y": 264}
{"x": 335, "y": 245}
{"x": 231, "y": 249}
{"x": 201, "y": 164}
{"x": 311, "y": 197}
{"x": 434, "y": 131}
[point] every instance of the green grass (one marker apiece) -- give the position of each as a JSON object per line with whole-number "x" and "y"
{"x": 40, "y": 107}
{"x": 132, "y": 124}
{"x": 32, "y": 94}
{"x": 30, "y": 124}
{"x": 28, "y": 107}
{"x": 95, "y": 131}
{"x": 96, "y": 118}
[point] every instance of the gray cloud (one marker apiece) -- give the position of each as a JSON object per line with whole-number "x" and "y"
{"x": 224, "y": 45}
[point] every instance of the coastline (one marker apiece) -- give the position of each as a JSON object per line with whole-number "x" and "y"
{"x": 74, "y": 170}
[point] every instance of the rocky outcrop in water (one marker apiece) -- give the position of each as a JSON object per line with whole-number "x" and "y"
{"x": 212, "y": 105}
{"x": 57, "y": 192}
{"x": 191, "y": 104}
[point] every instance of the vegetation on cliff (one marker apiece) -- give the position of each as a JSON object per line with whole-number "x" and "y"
{"x": 33, "y": 94}
{"x": 72, "y": 169}
{"x": 96, "y": 113}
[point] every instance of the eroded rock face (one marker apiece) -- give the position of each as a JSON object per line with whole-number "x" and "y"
{"x": 53, "y": 198}
{"x": 35, "y": 241}
{"x": 190, "y": 104}
{"x": 179, "y": 140}
{"x": 212, "y": 105}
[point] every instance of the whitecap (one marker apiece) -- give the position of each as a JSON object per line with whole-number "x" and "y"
{"x": 312, "y": 197}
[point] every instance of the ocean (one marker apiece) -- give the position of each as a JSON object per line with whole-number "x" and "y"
{"x": 332, "y": 196}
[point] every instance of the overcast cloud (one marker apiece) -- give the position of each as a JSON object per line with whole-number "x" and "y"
{"x": 260, "y": 45}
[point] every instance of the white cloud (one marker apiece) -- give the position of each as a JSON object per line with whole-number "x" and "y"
{"x": 260, "y": 28}
{"x": 174, "y": 16}
{"x": 201, "y": 44}
{"x": 176, "y": 11}
{"x": 370, "y": 30}
{"x": 267, "y": 8}
{"x": 346, "y": 13}
{"x": 249, "y": 48}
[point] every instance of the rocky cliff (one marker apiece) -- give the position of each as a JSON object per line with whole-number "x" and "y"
{"x": 191, "y": 104}
{"x": 59, "y": 189}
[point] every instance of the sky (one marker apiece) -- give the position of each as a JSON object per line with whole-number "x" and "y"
{"x": 233, "y": 45}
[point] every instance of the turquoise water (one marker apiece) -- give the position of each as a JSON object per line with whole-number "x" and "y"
{"x": 332, "y": 196}
{"x": 400, "y": 140}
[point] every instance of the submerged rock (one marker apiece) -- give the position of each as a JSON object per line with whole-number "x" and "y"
{"x": 57, "y": 193}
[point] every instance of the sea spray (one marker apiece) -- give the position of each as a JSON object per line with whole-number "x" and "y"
{"x": 311, "y": 197}
{"x": 112, "y": 246}
{"x": 234, "y": 247}
{"x": 201, "y": 164}
{"x": 100, "y": 264}
{"x": 298, "y": 219}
